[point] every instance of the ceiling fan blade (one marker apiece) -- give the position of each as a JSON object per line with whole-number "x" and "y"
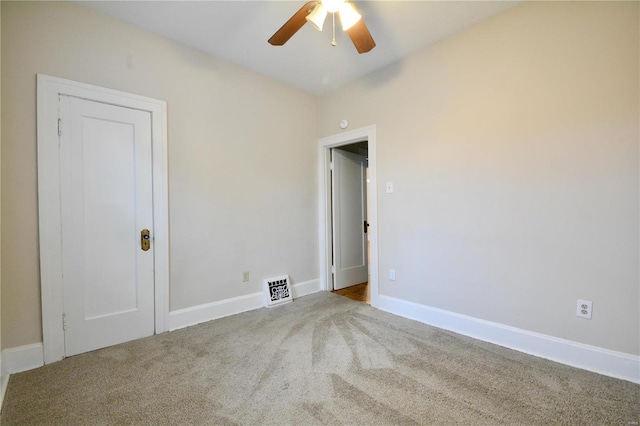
{"x": 361, "y": 37}
{"x": 292, "y": 25}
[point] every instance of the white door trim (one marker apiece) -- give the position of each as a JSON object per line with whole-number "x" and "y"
{"x": 344, "y": 275}
{"x": 49, "y": 89}
{"x": 324, "y": 159}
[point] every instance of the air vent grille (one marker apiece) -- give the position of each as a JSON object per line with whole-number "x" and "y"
{"x": 277, "y": 290}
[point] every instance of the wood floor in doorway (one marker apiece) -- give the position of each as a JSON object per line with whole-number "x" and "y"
{"x": 359, "y": 292}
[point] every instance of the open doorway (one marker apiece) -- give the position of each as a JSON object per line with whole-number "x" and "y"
{"x": 345, "y": 144}
{"x": 349, "y": 220}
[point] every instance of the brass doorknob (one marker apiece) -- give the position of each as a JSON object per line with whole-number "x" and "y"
{"x": 145, "y": 239}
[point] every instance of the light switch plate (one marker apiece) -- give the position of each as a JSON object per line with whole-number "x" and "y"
{"x": 389, "y": 187}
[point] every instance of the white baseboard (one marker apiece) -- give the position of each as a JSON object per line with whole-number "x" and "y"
{"x": 306, "y": 287}
{"x": 603, "y": 361}
{"x": 4, "y": 381}
{"x": 17, "y": 360}
{"x": 210, "y": 311}
{"x": 22, "y": 358}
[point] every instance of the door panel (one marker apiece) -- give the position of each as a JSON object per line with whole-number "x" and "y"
{"x": 349, "y": 205}
{"x": 106, "y": 200}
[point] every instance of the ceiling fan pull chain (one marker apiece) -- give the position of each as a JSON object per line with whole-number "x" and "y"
{"x": 333, "y": 41}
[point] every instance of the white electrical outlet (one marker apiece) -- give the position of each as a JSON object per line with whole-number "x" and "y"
{"x": 245, "y": 276}
{"x": 584, "y": 309}
{"x": 392, "y": 274}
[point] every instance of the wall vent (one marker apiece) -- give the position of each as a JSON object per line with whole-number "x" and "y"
{"x": 277, "y": 291}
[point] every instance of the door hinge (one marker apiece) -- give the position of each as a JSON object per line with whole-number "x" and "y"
{"x": 59, "y": 127}
{"x": 64, "y": 322}
{"x": 333, "y": 269}
{"x": 331, "y": 166}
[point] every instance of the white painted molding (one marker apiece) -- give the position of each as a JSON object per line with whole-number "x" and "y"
{"x": 306, "y": 287}
{"x": 599, "y": 360}
{"x": 209, "y": 311}
{"x": 17, "y": 360}
{"x": 4, "y": 381}
{"x": 48, "y": 91}
{"x": 235, "y": 305}
{"x": 325, "y": 236}
{"x": 22, "y": 358}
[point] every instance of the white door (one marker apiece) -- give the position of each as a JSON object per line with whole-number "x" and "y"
{"x": 106, "y": 201}
{"x": 349, "y": 200}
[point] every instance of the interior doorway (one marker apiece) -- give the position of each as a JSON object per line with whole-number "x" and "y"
{"x": 355, "y": 140}
{"x": 349, "y": 219}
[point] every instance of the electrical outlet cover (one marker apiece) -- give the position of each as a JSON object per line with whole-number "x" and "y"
{"x": 584, "y": 309}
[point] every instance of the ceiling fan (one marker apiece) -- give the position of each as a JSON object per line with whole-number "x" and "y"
{"x": 315, "y": 12}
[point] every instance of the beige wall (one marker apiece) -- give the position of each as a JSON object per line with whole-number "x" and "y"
{"x": 242, "y": 162}
{"x": 513, "y": 148}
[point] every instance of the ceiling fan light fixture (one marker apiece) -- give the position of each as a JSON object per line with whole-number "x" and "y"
{"x": 332, "y": 6}
{"x": 317, "y": 16}
{"x": 349, "y": 16}
{"x": 315, "y": 11}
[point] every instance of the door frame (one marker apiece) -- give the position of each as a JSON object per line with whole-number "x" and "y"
{"x": 338, "y": 182}
{"x": 325, "y": 144}
{"x": 48, "y": 91}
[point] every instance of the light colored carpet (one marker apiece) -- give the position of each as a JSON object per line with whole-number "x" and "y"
{"x": 322, "y": 359}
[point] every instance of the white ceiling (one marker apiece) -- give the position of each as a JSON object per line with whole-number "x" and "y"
{"x": 237, "y": 31}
